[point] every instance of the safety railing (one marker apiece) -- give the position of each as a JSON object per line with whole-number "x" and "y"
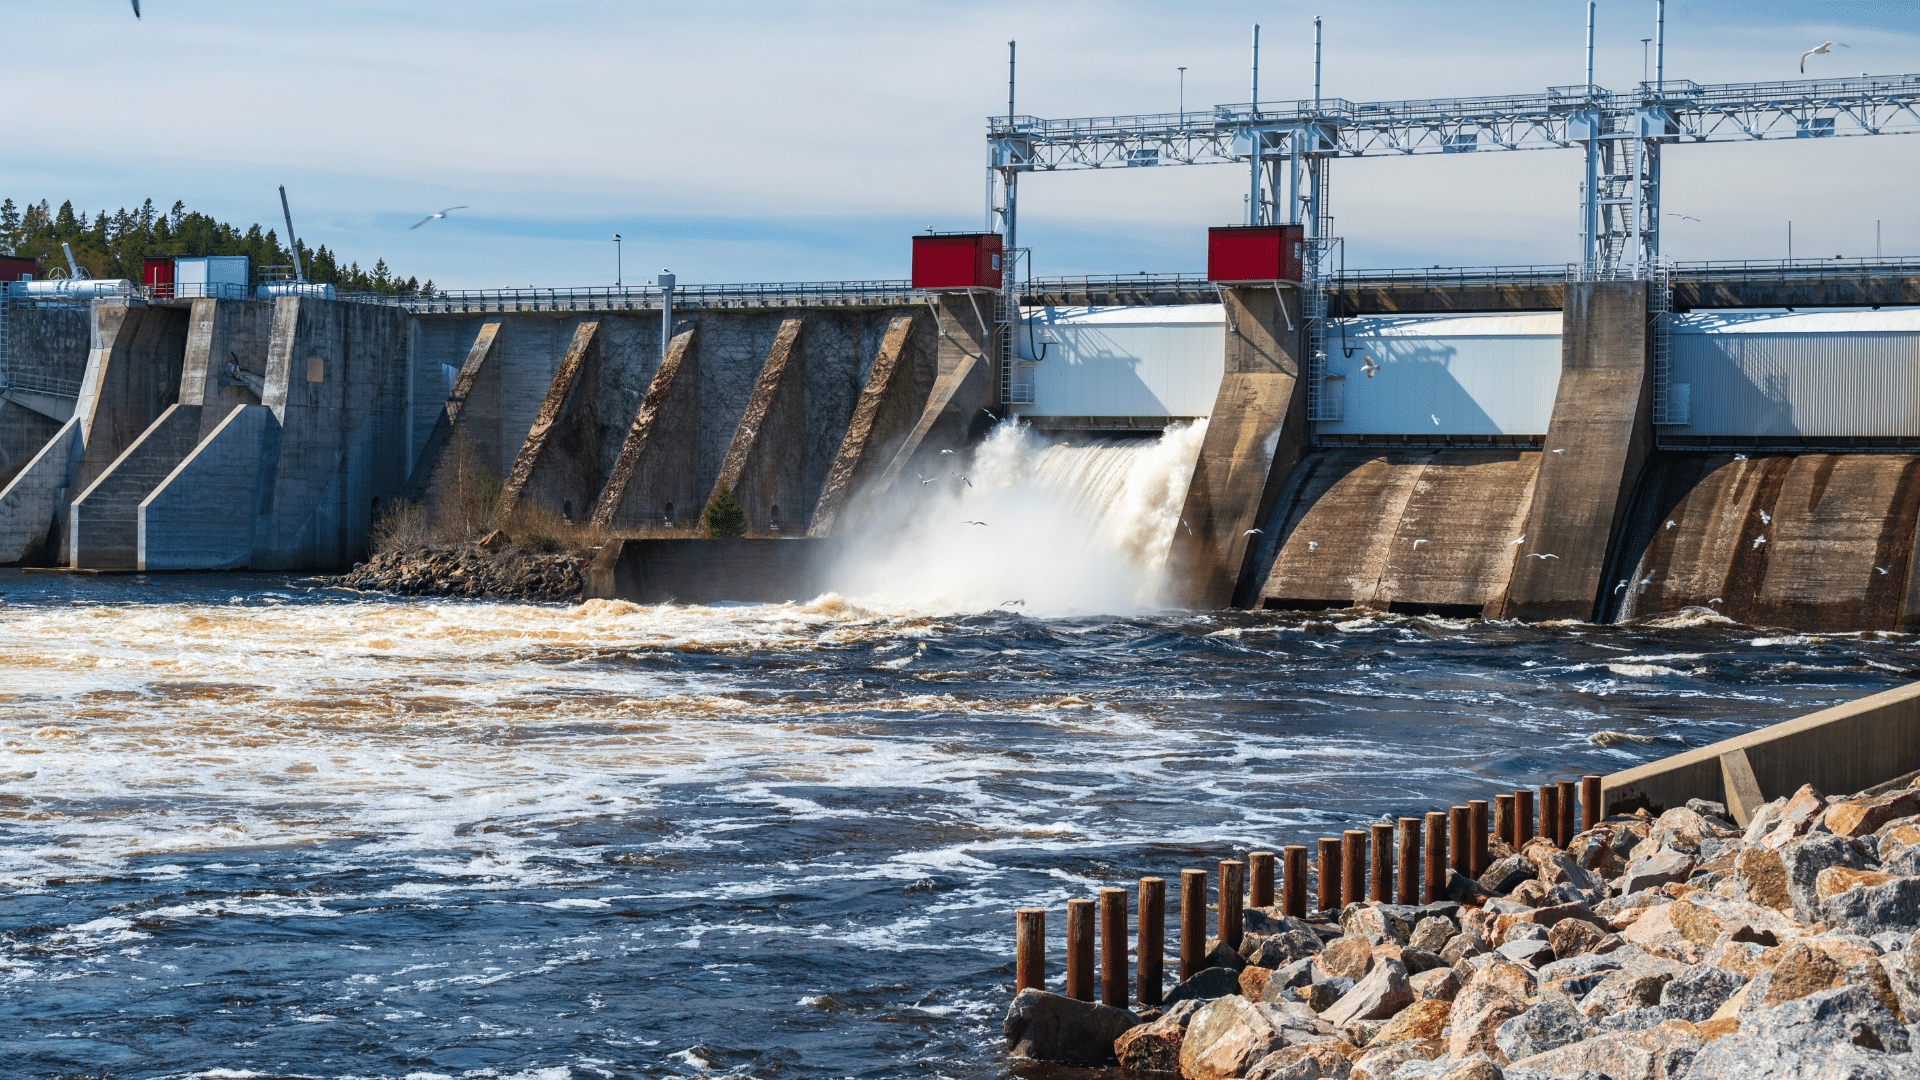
{"x": 196, "y": 290}
{"x": 644, "y": 297}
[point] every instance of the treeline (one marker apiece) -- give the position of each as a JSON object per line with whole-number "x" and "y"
{"x": 114, "y": 245}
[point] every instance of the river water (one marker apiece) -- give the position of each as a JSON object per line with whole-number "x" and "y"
{"x": 251, "y": 827}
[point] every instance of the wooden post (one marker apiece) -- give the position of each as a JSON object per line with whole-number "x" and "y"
{"x": 1458, "y": 856}
{"x": 1080, "y": 949}
{"x": 1329, "y": 894}
{"x": 1193, "y": 922}
{"x": 1522, "y": 817}
{"x": 1260, "y": 879}
{"x": 1503, "y": 819}
{"x": 1549, "y": 813}
{"x": 1436, "y": 857}
{"x": 1030, "y": 949}
{"x": 1113, "y": 947}
{"x": 1564, "y": 800}
{"x": 1381, "y": 890}
{"x": 1353, "y": 866}
{"x": 1294, "y": 880}
{"x": 1590, "y": 801}
{"x": 1233, "y": 898}
{"x": 1477, "y": 827}
{"x": 1153, "y": 928}
{"x": 1409, "y": 869}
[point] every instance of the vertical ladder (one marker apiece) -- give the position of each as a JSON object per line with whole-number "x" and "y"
{"x": 6, "y": 361}
{"x": 1316, "y": 280}
{"x": 1666, "y": 409}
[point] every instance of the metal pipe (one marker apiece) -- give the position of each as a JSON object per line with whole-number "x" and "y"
{"x": 1329, "y": 892}
{"x": 1590, "y": 6}
{"x": 1590, "y": 800}
{"x": 1113, "y": 947}
{"x": 1030, "y": 949}
{"x": 1260, "y": 879}
{"x": 1409, "y": 860}
{"x": 1458, "y": 857}
{"x": 666, "y": 281}
{"x": 1550, "y": 813}
{"x": 1294, "y": 881}
{"x": 1193, "y": 922}
{"x": 1151, "y": 948}
{"x": 293, "y": 245}
{"x": 1381, "y": 854}
{"x": 73, "y": 268}
{"x": 71, "y": 288}
{"x": 1080, "y": 949}
{"x": 1253, "y": 138}
{"x": 1522, "y": 818}
{"x": 1477, "y": 848}
{"x": 1316, "y": 64}
{"x": 1503, "y": 819}
{"x": 1353, "y": 866}
{"x": 1660, "y": 44}
{"x": 1563, "y": 801}
{"x": 1233, "y": 899}
{"x": 1436, "y": 884}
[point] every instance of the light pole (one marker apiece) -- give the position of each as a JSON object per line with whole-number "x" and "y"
{"x": 666, "y": 282}
{"x": 618, "y": 275}
{"x": 1644, "y": 42}
{"x": 1183, "y": 95}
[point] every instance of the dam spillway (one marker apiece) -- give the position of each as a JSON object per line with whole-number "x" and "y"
{"x": 225, "y": 433}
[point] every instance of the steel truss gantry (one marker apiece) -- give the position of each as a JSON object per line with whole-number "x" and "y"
{"x": 1289, "y": 144}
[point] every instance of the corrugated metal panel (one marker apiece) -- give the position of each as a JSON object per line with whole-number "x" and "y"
{"x": 1811, "y": 385}
{"x": 1472, "y": 375}
{"x": 1131, "y": 361}
{"x": 1859, "y": 320}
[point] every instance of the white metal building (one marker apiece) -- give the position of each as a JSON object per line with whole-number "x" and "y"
{"x": 1810, "y": 375}
{"x": 1442, "y": 375}
{"x": 1121, "y": 361}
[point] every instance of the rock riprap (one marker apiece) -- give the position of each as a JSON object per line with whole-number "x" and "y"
{"x": 474, "y": 571}
{"x": 1669, "y": 947}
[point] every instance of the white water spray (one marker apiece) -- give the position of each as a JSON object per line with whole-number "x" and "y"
{"x": 1069, "y": 529}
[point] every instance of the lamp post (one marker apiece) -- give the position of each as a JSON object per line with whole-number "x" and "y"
{"x": 665, "y": 281}
{"x": 1644, "y": 42}
{"x": 1183, "y": 95}
{"x": 618, "y": 275}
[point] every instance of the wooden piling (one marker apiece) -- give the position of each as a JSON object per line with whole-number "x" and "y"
{"x": 1458, "y": 856}
{"x": 1113, "y": 947}
{"x": 1233, "y": 898}
{"x": 1477, "y": 828}
{"x": 1152, "y": 947}
{"x": 1522, "y": 818}
{"x": 1590, "y": 812}
{"x": 1329, "y": 895}
{"x": 1193, "y": 922}
{"x": 1408, "y": 878}
{"x": 1260, "y": 879}
{"x": 1080, "y": 949}
{"x": 1563, "y": 800}
{"x": 1550, "y": 813}
{"x": 1294, "y": 879}
{"x": 1436, "y": 884}
{"x": 1503, "y": 819}
{"x": 1381, "y": 890}
{"x": 1030, "y": 949}
{"x": 1353, "y": 866}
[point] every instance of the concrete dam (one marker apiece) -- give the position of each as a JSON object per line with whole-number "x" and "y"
{"x": 1507, "y": 447}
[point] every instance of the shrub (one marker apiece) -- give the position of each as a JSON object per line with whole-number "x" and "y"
{"x": 724, "y": 517}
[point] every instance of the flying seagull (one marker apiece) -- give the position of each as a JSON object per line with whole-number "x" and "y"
{"x": 1537, "y": 555}
{"x": 430, "y": 217}
{"x": 1013, "y": 603}
{"x": 1189, "y": 528}
{"x": 1766, "y": 518}
{"x": 1367, "y": 365}
{"x": 1758, "y": 540}
{"x": 923, "y": 480}
{"x": 946, "y": 451}
{"x": 1739, "y": 457}
{"x": 1252, "y": 532}
{"x": 964, "y": 480}
{"x": 1620, "y": 586}
{"x": 973, "y": 523}
{"x": 1819, "y": 50}
{"x": 1562, "y": 450}
{"x": 1682, "y": 217}
{"x": 1669, "y": 523}
{"x": 1436, "y": 420}
{"x": 1715, "y": 600}
{"x": 1517, "y": 543}
{"x": 1882, "y": 569}
{"x": 1417, "y": 543}
{"x": 1312, "y": 544}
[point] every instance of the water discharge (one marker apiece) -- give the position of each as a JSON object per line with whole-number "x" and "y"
{"x": 252, "y": 827}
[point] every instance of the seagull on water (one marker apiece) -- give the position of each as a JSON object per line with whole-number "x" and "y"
{"x": 1766, "y": 518}
{"x": 430, "y": 217}
{"x": 1820, "y": 50}
{"x": 1367, "y": 365}
{"x": 1758, "y": 540}
{"x": 1537, "y": 555}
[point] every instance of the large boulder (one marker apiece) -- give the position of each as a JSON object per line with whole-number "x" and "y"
{"x": 1858, "y": 817}
{"x": 1806, "y": 968}
{"x": 1761, "y": 878}
{"x": 1152, "y": 1047}
{"x": 1053, "y": 1027}
{"x": 1382, "y": 1060}
{"x": 1312, "y": 1061}
{"x": 1871, "y": 904}
{"x": 1209, "y": 982}
{"x": 1661, "y": 1053}
{"x": 1431, "y": 934}
{"x": 1552, "y": 1022}
{"x": 1804, "y": 859}
{"x": 1505, "y": 875}
{"x": 1379, "y": 996}
{"x": 1796, "y": 817}
{"x": 1696, "y": 993}
{"x": 1423, "y": 1020}
{"x": 1348, "y": 958}
{"x": 1653, "y": 871}
{"x": 1229, "y": 1035}
{"x": 1839, "y": 1017}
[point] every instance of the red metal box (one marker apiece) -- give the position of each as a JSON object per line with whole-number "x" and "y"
{"x": 1254, "y": 253}
{"x": 13, "y": 268}
{"x": 156, "y": 270}
{"x": 956, "y": 261}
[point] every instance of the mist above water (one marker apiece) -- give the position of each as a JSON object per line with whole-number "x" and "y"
{"x": 1066, "y": 527}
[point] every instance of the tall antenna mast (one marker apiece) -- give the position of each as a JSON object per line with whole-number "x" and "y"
{"x": 293, "y": 245}
{"x": 1316, "y": 63}
{"x": 1011, "y": 177}
{"x": 1660, "y": 43}
{"x": 1590, "y": 6}
{"x": 1253, "y": 139}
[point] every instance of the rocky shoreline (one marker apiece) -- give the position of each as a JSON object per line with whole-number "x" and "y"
{"x": 1677, "y": 947}
{"x": 489, "y": 570}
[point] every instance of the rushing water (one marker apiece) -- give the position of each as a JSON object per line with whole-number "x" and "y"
{"x": 250, "y": 827}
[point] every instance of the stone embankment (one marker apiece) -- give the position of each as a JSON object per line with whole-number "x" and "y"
{"x": 1672, "y": 948}
{"x": 472, "y": 570}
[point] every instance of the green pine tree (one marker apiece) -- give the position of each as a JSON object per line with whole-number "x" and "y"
{"x": 724, "y": 517}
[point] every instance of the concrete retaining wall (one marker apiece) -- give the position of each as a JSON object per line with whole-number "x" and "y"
{"x": 207, "y": 514}
{"x": 103, "y": 524}
{"x": 1839, "y": 751}
{"x": 708, "y": 571}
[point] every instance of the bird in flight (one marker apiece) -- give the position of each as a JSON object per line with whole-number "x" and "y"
{"x": 973, "y": 523}
{"x": 1669, "y": 523}
{"x": 923, "y": 480}
{"x": 1367, "y": 365}
{"x": 1252, "y": 532}
{"x": 1682, "y": 217}
{"x": 1758, "y": 540}
{"x": 1739, "y": 457}
{"x": 1436, "y": 420}
{"x": 1819, "y": 50}
{"x": 1882, "y": 569}
{"x": 1766, "y": 518}
{"x": 946, "y": 451}
{"x": 1189, "y": 528}
{"x": 964, "y": 480}
{"x": 1562, "y": 450}
{"x": 1517, "y": 543}
{"x": 1417, "y": 543}
{"x": 1013, "y": 603}
{"x": 430, "y": 217}
{"x": 1715, "y": 600}
{"x": 1619, "y": 587}
{"x": 136, "y": 8}
{"x": 1537, "y": 555}
{"x": 1312, "y": 544}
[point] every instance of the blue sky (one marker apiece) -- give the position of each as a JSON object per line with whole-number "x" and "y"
{"x": 805, "y": 141}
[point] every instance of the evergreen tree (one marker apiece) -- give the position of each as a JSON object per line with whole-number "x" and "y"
{"x": 9, "y": 225}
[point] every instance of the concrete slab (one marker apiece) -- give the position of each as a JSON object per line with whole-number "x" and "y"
{"x": 1256, "y": 435}
{"x": 1600, "y": 439}
{"x": 709, "y": 571}
{"x": 765, "y": 466}
{"x": 207, "y": 513}
{"x": 655, "y": 478}
{"x": 103, "y": 524}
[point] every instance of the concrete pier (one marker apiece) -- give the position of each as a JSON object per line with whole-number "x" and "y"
{"x": 461, "y": 451}
{"x": 699, "y": 571}
{"x": 762, "y": 469}
{"x": 655, "y": 477}
{"x": 209, "y": 512}
{"x": 560, "y": 468}
{"x": 900, "y": 380}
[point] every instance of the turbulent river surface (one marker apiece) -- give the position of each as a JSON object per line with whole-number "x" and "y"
{"x": 253, "y": 827}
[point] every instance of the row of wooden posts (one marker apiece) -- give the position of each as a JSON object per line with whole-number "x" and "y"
{"x": 1455, "y": 839}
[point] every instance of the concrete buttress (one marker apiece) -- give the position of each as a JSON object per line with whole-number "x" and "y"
{"x": 559, "y": 468}
{"x": 896, "y": 389}
{"x": 208, "y": 513}
{"x": 656, "y": 476}
{"x": 765, "y": 469}
{"x": 459, "y": 456}
{"x": 1255, "y": 437}
{"x": 1597, "y": 443}
{"x": 956, "y": 405}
